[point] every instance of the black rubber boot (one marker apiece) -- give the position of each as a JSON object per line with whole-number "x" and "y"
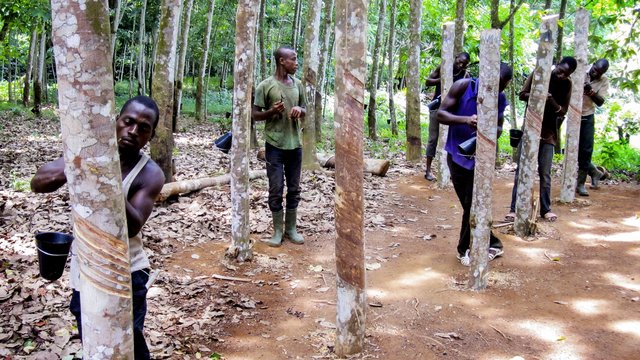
{"x": 276, "y": 239}
{"x": 290, "y": 227}
{"x": 580, "y": 189}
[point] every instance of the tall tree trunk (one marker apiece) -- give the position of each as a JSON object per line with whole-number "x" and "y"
{"x": 574, "y": 117}
{"x": 512, "y": 86}
{"x": 184, "y": 44}
{"x": 30, "y": 64}
{"x": 10, "y": 75}
{"x": 142, "y": 85}
{"x": 392, "y": 40}
{"x": 162, "y": 86}
{"x": 295, "y": 25}
{"x": 458, "y": 43}
{"x": 262, "y": 48}
{"x": 85, "y": 85}
{"x": 154, "y": 51}
{"x": 246, "y": 20}
{"x": 446, "y": 74}
{"x": 481, "y": 204}
{"x": 309, "y": 80}
{"x": 558, "y": 57}
{"x": 414, "y": 141}
{"x": 115, "y": 24}
{"x": 351, "y": 68}
{"x": 373, "y": 78}
{"x": 327, "y": 33}
{"x": 37, "y": 81}
{"x": 203, "y": 64}
{"x": 533, "y": 122}
{"x": 547, "y": 4}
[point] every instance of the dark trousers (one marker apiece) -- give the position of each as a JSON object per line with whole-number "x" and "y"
{"x": 462, "y": 180}
{"x": 283, "y": 165}
{"x": 585, "y": 147}
{"x": 434, "y": 132}
{"x": 545, "y": 159}
{"x": 139, "y": 296}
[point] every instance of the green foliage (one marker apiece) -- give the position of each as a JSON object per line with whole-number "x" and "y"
{"x": 18, "y": 184}
{"x": 617, "y": 157}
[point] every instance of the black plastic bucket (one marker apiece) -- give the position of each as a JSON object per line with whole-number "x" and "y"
{"x": 223, "y": 143}
{"x": 53, "y": 249}
{"x": 514, "y": 137}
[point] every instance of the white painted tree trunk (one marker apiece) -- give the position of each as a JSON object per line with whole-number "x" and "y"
{"x": 351, "y": 68}
{"x": 481, "y": 205}
{"x": 414, "y": 135}
{"x": 310, "y": 81}
{"x": 446, "y": 74}
{"x": 528, "y": 162}
{"x": 246, "y": 22}
{"x": 574, "y": 116}
{"x": 85, "y": 94}
{"x": 164, "y": 74}
{"x": 203, "y": 64}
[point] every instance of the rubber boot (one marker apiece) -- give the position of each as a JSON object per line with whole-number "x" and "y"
{"x": 580, "y": 189}
{"x": 276, "y": 239}
{"x": 290, "y": 227}
{"x": 596, "y": 175}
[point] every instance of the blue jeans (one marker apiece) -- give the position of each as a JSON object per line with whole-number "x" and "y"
{"x": 283, "y": 165}
{"x": 545, "y": 159}
{"x": 585, "y": 147}
{"x": 139, "y": 296}
{"x": 462, "y": 180}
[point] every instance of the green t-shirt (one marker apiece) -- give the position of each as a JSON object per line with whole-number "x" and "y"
{"x": 280, "y": 130}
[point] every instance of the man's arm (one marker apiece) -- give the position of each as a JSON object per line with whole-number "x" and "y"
{"x": 595, "y": 96}
{"x": 139, "y": 205}
{"x": 434, "y": 78}
{"x": 445, "y": 114}
{"x": 259, "y": 115}
{"x": 523, "y": 95}
{"x": 49, "y": 177}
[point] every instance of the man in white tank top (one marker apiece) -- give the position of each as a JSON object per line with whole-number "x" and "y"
{"x": 142, "y": 181}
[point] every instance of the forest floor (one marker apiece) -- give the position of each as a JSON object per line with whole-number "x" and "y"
{"x": 570, "y": 292}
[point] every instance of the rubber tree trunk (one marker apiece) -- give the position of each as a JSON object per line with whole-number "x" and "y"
{"x": 162, "y": 86}
{"x": 309, "y": 80}
{"x": 446, "y": 75}
{"x": 458, "y": 43}
{"x": 528, "y": 162}
{"x": 246, "y": 21}
{"x": 574, "y": 117}
{"x": 326, "y": 31}
{"x": 184, "y": 45}
{"x": 142, "y": 84}
{"x": 391, "y": 45}
{"x": 414, "y": 136}
{"x": 512, "y": 86}
{"x": 351, "y": 68}
{"x": 295, "y": 25}
{"x": 37, "y": 78}
{"x": 203, "y": 64}
{"x": 92, "y": 168}
{"x": 558, "y": 57}
{"x": 30, "y": 64}
{"x": 481, "y": 204}
{"x": 115, "y": 24}
{"x": 262, "y": 48}
{"x": 372, "y": 86}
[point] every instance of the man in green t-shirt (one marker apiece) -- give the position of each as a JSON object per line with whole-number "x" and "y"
{"x": 279, "y": 100}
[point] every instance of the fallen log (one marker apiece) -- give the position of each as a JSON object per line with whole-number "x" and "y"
{"x": 377, "y": 167}
{"x": 187, "y": 186}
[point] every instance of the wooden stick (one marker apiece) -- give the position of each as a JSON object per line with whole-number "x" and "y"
{"x": 495, "y": 226}
{"x": 500, "y": 332}
{"x": 229, "y": 278}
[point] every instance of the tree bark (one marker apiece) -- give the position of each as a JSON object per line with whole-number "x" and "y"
{"x": 309, "y": 80}
{"x": 446, "y": 74}
{"x": 574, "y": 117}
{"x": 533, "y": 123}
{"x": 390, "y": 91}
{"x": 142, "y": 84}
{"x": 30, "y": 63}
{"x": 162, "y": 86}
{"x": 39, "y": 76}
{"x": 351, "y": 43}
{"x": 377, "y": 167}
{"x": 512, "y": 86}
{"x": 458, "y": 42}
{"x": 372, "y": 87}
{"x": 558, "y": 57}
{"x": 246, "y": 21}
{"x": 481, "y": 204}
{"x": 203, "y": 64}
{"x": 115, "y": 24}
{"x": 414, "y": 136}
{"x": 184, "y": 44}
{"x": 327, "y": 33}
{"x": 86, "y": 99}
{"x": 262, "y": 48}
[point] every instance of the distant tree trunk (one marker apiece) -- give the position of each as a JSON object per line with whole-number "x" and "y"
{"x": 30, "y": 64}
{"x": 327, "y": 33}
{"x": 446, "y": 74}
{"x": 496, "y": 23}
{"x": 184, "y": 44}
{"x": 533, "y": 122}
{"x": 9, "y": 74}
{"x": 203, "y": 64}
{"x": 262, "y": 49}
{"x": 309, "y": 80}
{"x": 392, "y": 40}
{"x": 351, "y": 68}
{"x": 458, "y": 43}
{"x": 37, "y": 83}
{"x": 246, "y": 20}
{"x": 574, "y": 117}
{"x": 481, "y": 205}
{"x": 142, "y": 85}
{"x": 414, "y": 136}
{"x": 512, "y": 86}
{"x": 373, "y": 77}
{"x": 547, "y": 4}
{"x": 92, "y": 162}
{"x": 124, "y": 57}
{"x": 154, "y": 51}
{"x": 295, "y": 27}
{"x": 162, "y": 86}
{"x": 558, "y": 57}
{"x": 115, "y": 23}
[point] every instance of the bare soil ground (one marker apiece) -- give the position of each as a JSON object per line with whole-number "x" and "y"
{"x": 570, "y": 292}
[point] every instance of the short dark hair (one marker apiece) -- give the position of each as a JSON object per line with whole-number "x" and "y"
{"x": 464, "y": 54}
{"x": 506, "y": 72}
{"x": 279, "y": 53}
{"x": 569, "y": 60}
{"x": 603, "y": 64}
{"x": 146, "y": 101}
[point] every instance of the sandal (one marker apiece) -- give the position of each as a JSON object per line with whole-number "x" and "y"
{"x": 465, "y": 260}
{"x": 551, "y": 217}
{"x": 510, "y": 216}
{"x": 494, "y": 253}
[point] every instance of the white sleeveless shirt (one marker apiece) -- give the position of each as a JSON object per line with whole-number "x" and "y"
{"x": 137, "y": 256}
